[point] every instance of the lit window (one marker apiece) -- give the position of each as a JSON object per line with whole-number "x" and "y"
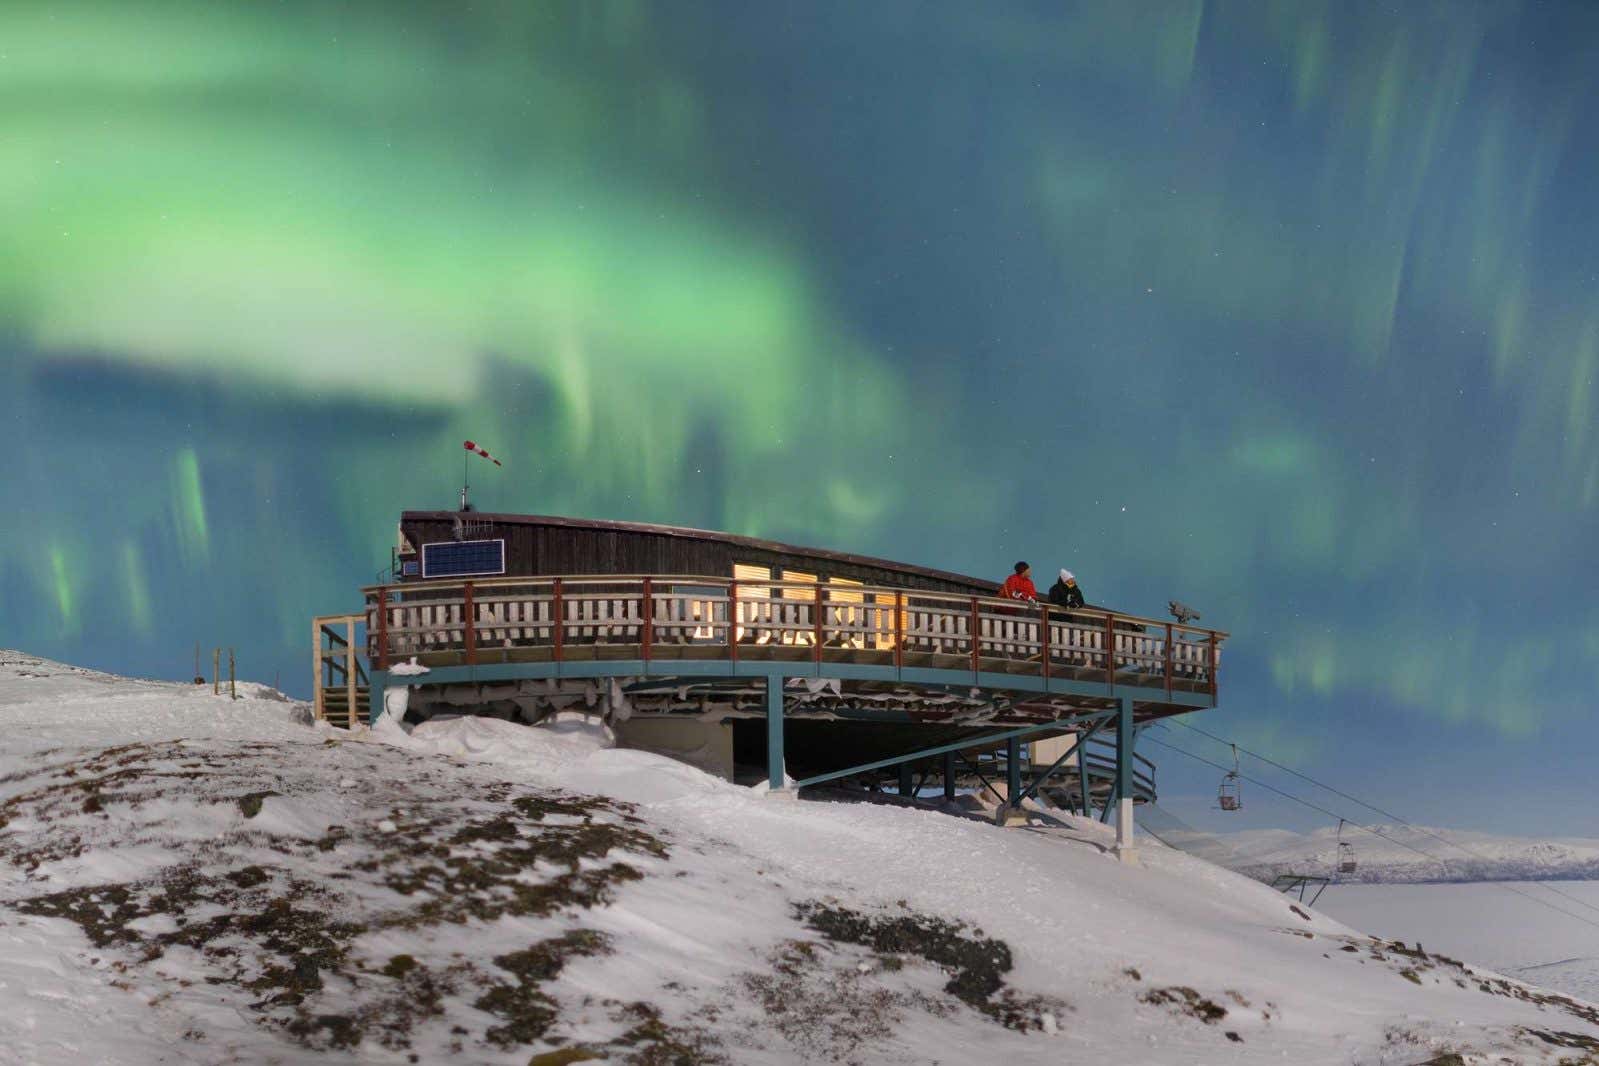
{"x": 754, "y": 599}
{"x": 795, "y": 615}
{"x": 883, "y": 621}
{"x": 846, "y": 616}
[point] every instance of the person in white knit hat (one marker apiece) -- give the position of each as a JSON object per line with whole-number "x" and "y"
{"x": 1065, "y": 593}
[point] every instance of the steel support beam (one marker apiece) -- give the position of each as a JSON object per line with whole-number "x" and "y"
{"x": 1013, "y": 772}
{"x": 1086, "y": 797}
{"x": 949, "y": 777}
{"x": 906, "y": 788}
{"x": 1077, "y": 749}
{"x": 912, "y": 756}
{"x": 1005, "y": 686}
{"x": 774, "y": 732}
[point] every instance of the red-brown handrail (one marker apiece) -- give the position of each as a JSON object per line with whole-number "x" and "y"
{"x": 383, "y": 629}
{"x": 816, "y": 636}
{"x": 989, "y": 602}
{"x": 1110, "y": 650}
{"x": 648, "y": 610}
{"x": 1043, "y": 637}
{"x": 1212, "y": 670}
{"x": 1168, "y": 660}
{"x": 977, "y": 637}
{"x": 899, "y": 630}
{"x": 559, "y": 621}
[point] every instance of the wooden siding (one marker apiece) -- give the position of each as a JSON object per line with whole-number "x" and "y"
{"x": 537, "y": 545}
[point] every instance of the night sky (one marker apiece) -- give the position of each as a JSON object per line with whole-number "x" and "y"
{"x": 1287, "y": 310}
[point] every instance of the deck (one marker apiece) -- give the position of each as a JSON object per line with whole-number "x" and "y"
{"x": 671, "y": 619}
{"x": 895, "y": 670}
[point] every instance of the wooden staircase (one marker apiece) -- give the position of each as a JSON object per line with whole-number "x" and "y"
{"x": 336, "y": 706}
{"x": 343, "y": 690}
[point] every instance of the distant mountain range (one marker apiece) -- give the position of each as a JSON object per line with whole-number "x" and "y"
{"x": 1390, "y": 858}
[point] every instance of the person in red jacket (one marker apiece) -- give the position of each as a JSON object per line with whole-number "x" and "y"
{"x": 1019, "y": 586}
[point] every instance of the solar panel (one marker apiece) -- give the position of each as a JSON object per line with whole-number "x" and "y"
{"x": 409, "y": 568}
{"x": 464, "y": 558}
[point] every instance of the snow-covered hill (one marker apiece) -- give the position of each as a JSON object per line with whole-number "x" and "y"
{"x": 188, "y": 879}
{"x": 1400, "y": 855}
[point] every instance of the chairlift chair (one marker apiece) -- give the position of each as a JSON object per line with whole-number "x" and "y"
{"x": 1229, "y": 797}
{"x": 1346, "y": 852}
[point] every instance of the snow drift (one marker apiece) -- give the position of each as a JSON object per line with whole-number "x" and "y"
{"x": 191, "y": 879}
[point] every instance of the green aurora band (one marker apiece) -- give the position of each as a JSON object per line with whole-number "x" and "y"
{"x": 1290, "y": 310}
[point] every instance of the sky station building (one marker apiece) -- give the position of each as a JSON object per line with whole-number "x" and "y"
{"x": 756, "y": 660}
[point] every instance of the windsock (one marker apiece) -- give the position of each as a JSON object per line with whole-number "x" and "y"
{"x": 484, "y": 452}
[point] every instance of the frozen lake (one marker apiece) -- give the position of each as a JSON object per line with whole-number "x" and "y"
{"x": 1488, "y": 924}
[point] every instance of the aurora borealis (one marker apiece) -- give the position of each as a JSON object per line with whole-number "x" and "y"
{"x": 1290, "y": 311}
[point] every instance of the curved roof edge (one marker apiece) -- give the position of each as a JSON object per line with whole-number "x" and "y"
{"x": 690, "y": 533}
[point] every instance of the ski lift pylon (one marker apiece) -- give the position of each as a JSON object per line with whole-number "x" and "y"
{"x": 1346, "y": 852}
{"x": 1229, "y": 797}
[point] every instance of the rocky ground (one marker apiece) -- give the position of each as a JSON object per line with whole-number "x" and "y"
{"x": 186, "y": 879}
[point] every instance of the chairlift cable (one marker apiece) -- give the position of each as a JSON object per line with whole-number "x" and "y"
{"x": 1374, "y": 832}
{"x": 1371, "y": 807}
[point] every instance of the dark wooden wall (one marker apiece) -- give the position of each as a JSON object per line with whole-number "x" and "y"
{"x": 566, "y": 546}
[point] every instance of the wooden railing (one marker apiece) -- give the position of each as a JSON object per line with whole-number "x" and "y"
{"x": 340, "y": 678}
{"x": 686, "y": 616}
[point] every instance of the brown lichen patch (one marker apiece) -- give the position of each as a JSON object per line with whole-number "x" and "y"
{"x": 830, "y": 1006}
{"x": 277, "y": 921}
{"x": 102, "y": 911}
{"x": 1185, "y": 1000}
{"x": 460, "y": 880}
{"x": 1560, "y": 1038}
{"x": 526, "y": 1011}
{"x": 1421, "y": 962}
{"x": 650, "y": 1041}
{"x": 976, "y": 964}
{"x": 567, "y": 1055}
{"x": 250, "y": 802}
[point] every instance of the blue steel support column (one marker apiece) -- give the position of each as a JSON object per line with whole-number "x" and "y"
{"x": 906, "y": 785}
{"x": 1013, "y": 772}
{"x": 1087, "y": 798}
{"x": 1110, "y": 804}
{"x": 1125, "y": 740}
{"x": 949, "y": 776}
{"x": 774, "y": 733}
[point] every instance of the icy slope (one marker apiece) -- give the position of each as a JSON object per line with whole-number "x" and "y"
{"x": 193, "y": 880}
